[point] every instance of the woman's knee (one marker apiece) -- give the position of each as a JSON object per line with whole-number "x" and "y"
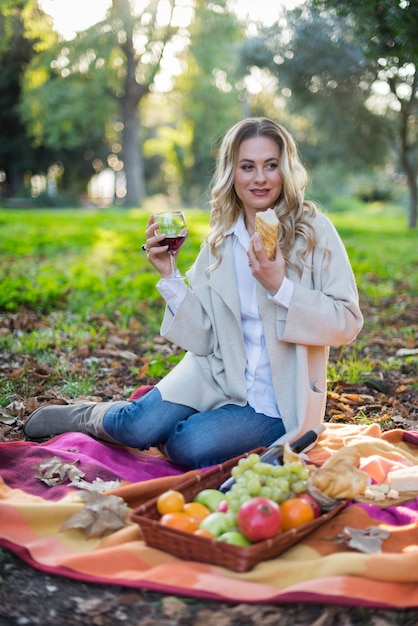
{"x": 201, "y": 440}
{"x": 185, "y": 447}
{"x": 194, "y": 447}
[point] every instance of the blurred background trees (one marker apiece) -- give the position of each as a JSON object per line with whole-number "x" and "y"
{"x": 24, "y": 32}
{"x": 133, "y": 107}
{"x": 387, "y": 33}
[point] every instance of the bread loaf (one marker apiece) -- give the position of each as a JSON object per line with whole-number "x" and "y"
{"x": 340, "y": 477}
{"x": 267, "y": 225}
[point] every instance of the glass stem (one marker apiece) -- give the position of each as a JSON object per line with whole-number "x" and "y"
{"x": 173, "y": 265}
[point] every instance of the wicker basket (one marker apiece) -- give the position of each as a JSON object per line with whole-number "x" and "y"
{"x": 194, "y": 548}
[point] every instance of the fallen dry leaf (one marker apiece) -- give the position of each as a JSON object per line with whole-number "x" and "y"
{"x": 55, "y": 472}
{"x": 175, "y": 608}
{"x": 100, "y": 516}
{"x": 16, "y": 408}
{"x": 97, "y": 484}
{"x": 367, "y": 540}
{"x": 7, "y": 417}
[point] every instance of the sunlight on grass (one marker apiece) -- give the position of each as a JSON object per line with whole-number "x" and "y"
{"x": 8, "y": 390}
{"x": 79, "y": 387}
{"x": 352, "y": 369}
{"x": 65, "y": 332}
{"x": 72, "y": 265}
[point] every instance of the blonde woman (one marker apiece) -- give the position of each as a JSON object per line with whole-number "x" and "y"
{"x": 256, "y": 331}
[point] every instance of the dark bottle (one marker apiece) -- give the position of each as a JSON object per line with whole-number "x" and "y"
{"x": 274, "y": 454}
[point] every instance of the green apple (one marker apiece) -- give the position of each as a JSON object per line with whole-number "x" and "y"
{"x": 216, "y": 523}
{"x": 210, "y": 498}
{"x": 234, "y": 537}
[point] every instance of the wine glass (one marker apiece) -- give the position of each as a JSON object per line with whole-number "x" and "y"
{"x": 173, "y": 225}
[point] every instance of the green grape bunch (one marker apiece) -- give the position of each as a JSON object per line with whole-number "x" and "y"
{"x": 255, "y": 478}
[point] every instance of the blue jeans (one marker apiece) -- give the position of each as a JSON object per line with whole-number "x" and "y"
{"x": 191, "y": 438}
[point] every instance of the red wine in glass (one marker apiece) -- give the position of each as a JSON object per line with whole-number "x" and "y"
{"x": 173, "y": 243}
{"x": 172, "y": 224}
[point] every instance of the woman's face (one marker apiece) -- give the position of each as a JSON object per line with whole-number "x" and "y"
{"x": 257, "y": 178}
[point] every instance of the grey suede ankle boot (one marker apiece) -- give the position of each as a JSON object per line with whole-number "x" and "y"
{"x": 83, "y": 417}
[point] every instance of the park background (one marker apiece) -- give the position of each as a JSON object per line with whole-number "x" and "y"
{"x": 129, "y": 110}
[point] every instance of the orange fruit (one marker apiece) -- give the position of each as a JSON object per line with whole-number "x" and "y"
{"x": 196, "y": 511}
{"x": 170, "y": 501}
{"x": 295, "y": 512}
{"x": 179, "y": 521}
{"x": 203, "y": 532}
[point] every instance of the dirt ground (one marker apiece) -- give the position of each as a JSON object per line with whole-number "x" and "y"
{"x": 27, "y": 596}
{"x": 33, "y": 597}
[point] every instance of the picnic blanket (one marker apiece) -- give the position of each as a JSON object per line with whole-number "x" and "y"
{"x": 320, "y": 569}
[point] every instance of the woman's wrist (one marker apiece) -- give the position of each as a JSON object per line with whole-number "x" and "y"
{"x": 284, "y": 294}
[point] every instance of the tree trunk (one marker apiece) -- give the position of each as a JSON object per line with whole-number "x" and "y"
{"x": 134, "y": 90}
{"x": 130, "y": 102}
{"x": 132, "y": 153}
{"x": 411, "y": 176}
{"x": 15, "y": 180}
{"x": 408, "y": 148}
{"x": 410, "y": 170}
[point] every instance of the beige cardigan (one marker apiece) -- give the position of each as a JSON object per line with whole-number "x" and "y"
{"x": 323, "y": 312}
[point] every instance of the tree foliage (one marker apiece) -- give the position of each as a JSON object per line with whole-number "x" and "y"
{"x": 143, "y": 40}
{"x": 387, "y": 28}
{"x": 37, "y": 25}
{"x": 68, "y": 102}
{"x": 388, "y": 33}
{"x": 340, "y": 74}
{"x": 210, "y": 97}
{"x": 23, "y": 31}
{"x": 322, "y": 67}
{"x": 78, "y": 92}
{"x": 67, "y": 96}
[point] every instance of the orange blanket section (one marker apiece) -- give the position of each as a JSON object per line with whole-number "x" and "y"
{"x": 320, "y": 569}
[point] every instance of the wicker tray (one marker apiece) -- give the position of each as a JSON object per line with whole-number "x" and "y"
{"x": 193, "y": 548}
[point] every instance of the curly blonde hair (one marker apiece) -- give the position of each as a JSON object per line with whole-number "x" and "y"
{"x": 295, "y": 214}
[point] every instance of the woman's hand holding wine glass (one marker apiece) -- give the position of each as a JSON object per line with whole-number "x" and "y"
{"x": 165, "y": 230}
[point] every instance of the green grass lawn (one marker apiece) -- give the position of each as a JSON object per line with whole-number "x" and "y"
{"x": 82, "y": 261}
{"x": 71, "y": 265}
{"x": 85, "y": 260}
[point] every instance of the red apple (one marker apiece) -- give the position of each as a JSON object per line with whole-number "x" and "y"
{"x": 311, "y": 500}
{"x": 259, "y": 518}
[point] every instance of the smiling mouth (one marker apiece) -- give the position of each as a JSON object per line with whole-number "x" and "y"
{"x": 260, "y": 192}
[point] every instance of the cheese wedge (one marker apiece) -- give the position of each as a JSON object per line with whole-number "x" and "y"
{"x": 404, "y": 479}
{"x": 267, "y": 224}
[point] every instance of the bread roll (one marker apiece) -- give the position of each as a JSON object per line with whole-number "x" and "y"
{"x": 267, "y": 225}
{"x": 340, "y": 476}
